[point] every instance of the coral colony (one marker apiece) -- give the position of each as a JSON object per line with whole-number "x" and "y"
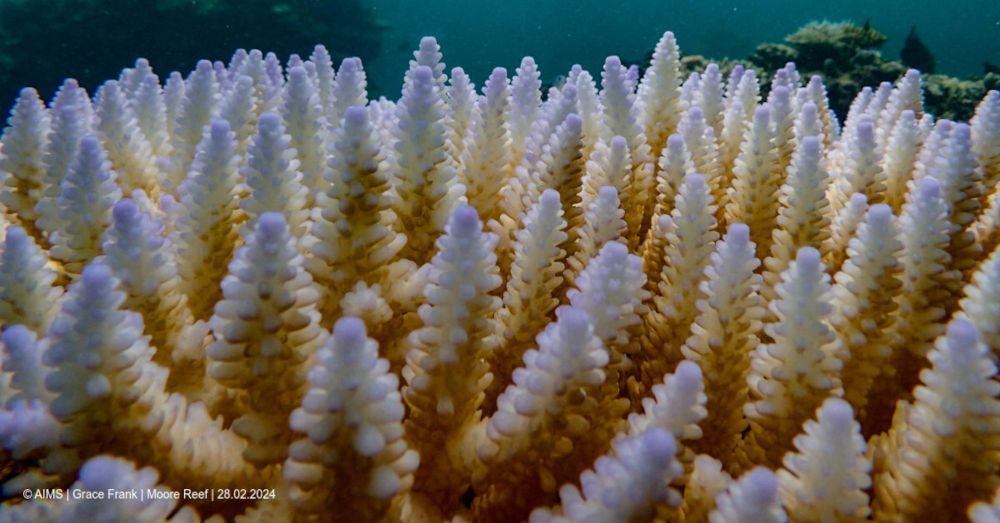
{"x": 252, "y": 293}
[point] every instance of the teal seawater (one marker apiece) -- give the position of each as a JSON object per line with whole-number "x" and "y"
{"x": 558, "y": 33}
{"x": 475, "y": 34}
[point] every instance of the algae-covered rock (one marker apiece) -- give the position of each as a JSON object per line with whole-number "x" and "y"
{"x": 817, "y": 42}
{"x": 952, "y": 98}
{"x": 772, "y": 56}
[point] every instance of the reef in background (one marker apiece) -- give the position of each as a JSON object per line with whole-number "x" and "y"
{"x": 847, "y": 56}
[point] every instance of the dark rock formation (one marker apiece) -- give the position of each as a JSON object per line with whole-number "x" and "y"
{"x": 915, "y": 54}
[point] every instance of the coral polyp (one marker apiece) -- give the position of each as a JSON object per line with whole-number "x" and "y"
{"x": 252, "y": 293}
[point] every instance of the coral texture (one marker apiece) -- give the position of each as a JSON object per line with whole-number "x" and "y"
{"x": 666, "y": 299}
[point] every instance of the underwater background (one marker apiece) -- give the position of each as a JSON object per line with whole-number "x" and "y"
{"x": 42, "y": 41}
{"x": 962, "y": 34}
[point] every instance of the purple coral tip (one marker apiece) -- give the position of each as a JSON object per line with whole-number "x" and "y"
{"x": 423, "y": 74}
{"x": 962, "y": 131}
{"x": 95, "y": 274}
{"x": 464, "y": 221}
{"x": 428, "y": 43}
{"x": 499, "y": 74}
{"x": 763, "y": 114}
{"x": 880, "y": 214}
{"x": 808, "y": 260}
{"x": 928, "y": 188}
{"x": 350, "y": 65}
{"x": 962, "y": 335}
{"x": 618, "y": 142}
{"x": 607, "y": 192}
{"x": 738, "y": 232}
{"x": 810, "y": 146}
{"x": 614, "y": 252}
{"x": 689, "y": 374}
{"x": 269, "y": 122}
{"x": 612, "y": 62}
{"x": 349, "y": 331}
{"x": 27, "y": 94}
{"x": 89, "y": 145}
{"x": 574, "y": 123}
{"x": 836, "y": 411}
{"x": 220, "y": 128}
{"x": 866, "y": 129}
{"x": 16, "y": 238}
{"x": 761, "y": 486}
{"x": 356, "y": 116}
{"x": 780, "y": 92}
{"x": 658, "y": 444}
{"x": 573, "y": 318}
{"x": 271, "y": 225}
{"x": 858, "y": 200}
{"x": 99, "y": 473}
{"x": 17, "y": 337}
{"x": 675, "y": 142}
{"x": 125, "y": 211}
{"x": 550, "y": 198}
{"x": 695, "y": 182}
{"x": 297, "y": 73}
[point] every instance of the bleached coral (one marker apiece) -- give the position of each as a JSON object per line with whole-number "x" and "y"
{"x": 521, "y": 286}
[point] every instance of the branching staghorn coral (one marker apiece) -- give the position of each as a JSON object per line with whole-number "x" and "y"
{"x": 754, "y": 497}
{"x": 23, "y": 160}
{"x": 863, "y": 303}
{"x": 128, "y": 150}
{"x": 630, "y": 484}
{"x": 27, "y": 294}
{"x": 688, "y": 237}
{"x": 266, "y": 327}
{"x": 446, "y": 373}
{"x": 752, "y": 199}
{"x": 528, "y": 299}
{"x": 723, "y": 336}
{"x": 802, "y": 218}
{"x": 273, "y": 177}
{"x": 706, "y": 481}
{"x": 352, "y": 239}
{"x": 424, "y": 179}
{"x": 207, "y": 225}
{"x": 102, "y": 377}
{"x": 949, "y": 430}
{"x": 486, "y": 157}
{"x": 143, "y": 261}
{"x": 171, "y": 257}
{"x": 84, "y": 207}
{"x": 546, "y": 413}
{"x": 827, "y": 478}
{"x": 351, "y": 419}
{"x": 791, "y": 375}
